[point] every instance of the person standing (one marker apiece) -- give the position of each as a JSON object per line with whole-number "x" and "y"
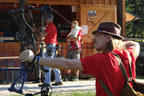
{"x": 51, "y": 42}
{"x": 74, "y": 49}
{"x": 104, "y": 65}
{"x": 40, "y": 50}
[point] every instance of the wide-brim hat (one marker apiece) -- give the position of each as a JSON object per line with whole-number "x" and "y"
{"x": 109, "y": 28}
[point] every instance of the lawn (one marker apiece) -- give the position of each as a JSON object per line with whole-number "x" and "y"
{"x": 75, "y": 93}
{"x": 80, "y": 93}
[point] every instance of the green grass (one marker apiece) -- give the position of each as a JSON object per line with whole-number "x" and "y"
{"x": 74, "y": 93}
{"x": 80, "y": 93}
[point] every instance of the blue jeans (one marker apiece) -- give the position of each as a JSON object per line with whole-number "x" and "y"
{"x": 51, "y": 53}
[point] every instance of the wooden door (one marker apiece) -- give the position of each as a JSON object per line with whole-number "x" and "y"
{"x": 92, "y": 15}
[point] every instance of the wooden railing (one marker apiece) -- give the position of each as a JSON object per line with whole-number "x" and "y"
{"x": 9, "y": 68}
{"x": 9, "y": 63}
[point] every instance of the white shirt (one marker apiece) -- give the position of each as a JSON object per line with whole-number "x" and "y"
{"x": 74, "y": 31}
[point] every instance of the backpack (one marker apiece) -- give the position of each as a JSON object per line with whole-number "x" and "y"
{"x": 136, "y": 90}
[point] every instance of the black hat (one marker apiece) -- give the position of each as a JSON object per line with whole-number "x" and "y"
{"x": 109, "y": 28}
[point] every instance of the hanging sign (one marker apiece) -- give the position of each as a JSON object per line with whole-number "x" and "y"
{"x": 91, "y": 14}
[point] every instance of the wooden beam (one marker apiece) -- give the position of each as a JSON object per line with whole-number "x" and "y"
{"x": 53, "y": 2}
{"x": 78, "y": 14}
{"x": 9, "y": 1}
{"x": 6, "y": 38}
{"x": 10, "y": 57}
{"x": 43, "y": 2}
{"x": 121, "y": 15}
{"x": 10, "y": 68}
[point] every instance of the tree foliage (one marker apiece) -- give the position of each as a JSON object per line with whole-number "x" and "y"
{"x": 136, "y": 27}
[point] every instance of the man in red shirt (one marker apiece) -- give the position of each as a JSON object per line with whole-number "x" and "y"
{"x": 51, "y": 41}
{"x": 103, "y": 66}
{"x": 51, "y": 31}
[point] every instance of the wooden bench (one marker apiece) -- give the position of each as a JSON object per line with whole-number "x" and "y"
{"x": 10, "y": 68}
{"x": 10, "y": 57}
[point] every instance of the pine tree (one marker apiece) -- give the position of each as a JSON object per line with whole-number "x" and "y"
{"x": 135, "y": 28}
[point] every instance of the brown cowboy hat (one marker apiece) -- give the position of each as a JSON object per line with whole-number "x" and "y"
{"x": 109, "y": 28}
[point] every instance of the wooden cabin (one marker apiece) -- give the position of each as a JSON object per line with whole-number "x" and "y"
{"x": 89, "y": 13}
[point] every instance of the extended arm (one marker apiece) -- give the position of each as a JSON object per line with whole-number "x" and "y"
{"x": 61, "y": 63}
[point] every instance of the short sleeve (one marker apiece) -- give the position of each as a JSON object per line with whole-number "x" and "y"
{"x": 91, "y": 64}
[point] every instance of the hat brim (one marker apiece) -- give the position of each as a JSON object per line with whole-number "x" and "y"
{"x": 99, "y": 31}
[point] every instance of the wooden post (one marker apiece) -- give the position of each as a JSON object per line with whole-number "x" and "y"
{"x": 121, "y": 15}
{"x": 78, "y": 13}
